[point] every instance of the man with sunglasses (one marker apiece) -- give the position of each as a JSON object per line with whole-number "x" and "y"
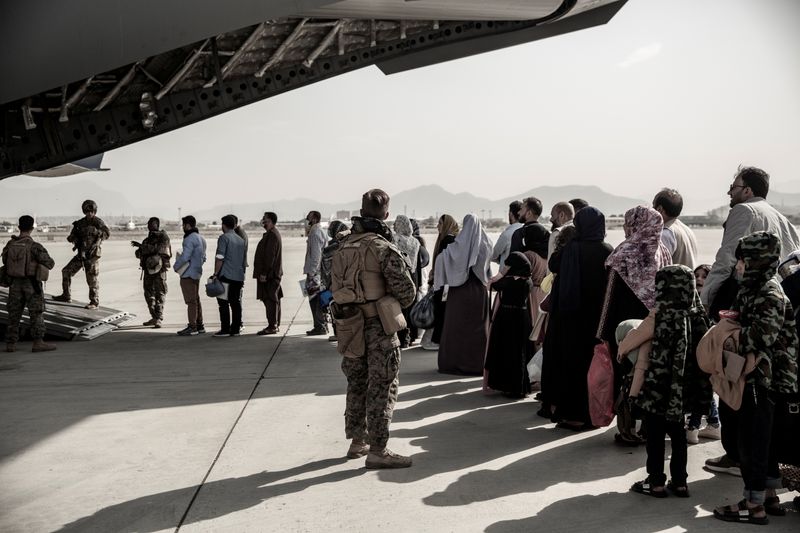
{"x": 749, "y": 213}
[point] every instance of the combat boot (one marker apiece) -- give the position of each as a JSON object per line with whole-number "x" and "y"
{"x": 11, "y": 347}
{"x": 358, "y": 448}
{"x": 387, "y": 459}
{"x": 151, "y": 322}
{"x": 40, "y": 346}
{"x": 62, "y": 298}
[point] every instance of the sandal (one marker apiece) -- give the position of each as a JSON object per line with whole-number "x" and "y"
{"x": 772, "y": 505}
{"x": 741, "y": 513}
{"x": 644, "y": 487}
{"x": 681, "y": 491}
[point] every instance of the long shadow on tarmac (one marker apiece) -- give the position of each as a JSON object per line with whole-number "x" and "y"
{"x": 614, "y": 511}
{"x": 160, "y": 511}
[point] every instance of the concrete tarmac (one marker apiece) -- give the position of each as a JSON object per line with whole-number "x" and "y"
{"x": 145, "y": 431}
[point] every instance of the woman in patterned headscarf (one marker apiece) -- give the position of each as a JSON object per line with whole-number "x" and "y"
{"x": 406, "y": 243}
{"x": 631, "y": 287}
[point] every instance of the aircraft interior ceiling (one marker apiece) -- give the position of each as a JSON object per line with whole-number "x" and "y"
{"x": 175, "y": 88}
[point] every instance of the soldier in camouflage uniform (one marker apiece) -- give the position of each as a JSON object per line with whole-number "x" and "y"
{"x": 674, "y": 384}
{"x": 23, "y": 258}
{"x": 154, "y": 253}
{"x": 87, "y": 235}
{"x": 371, "y": 368}
{"x": 769, "y": 335}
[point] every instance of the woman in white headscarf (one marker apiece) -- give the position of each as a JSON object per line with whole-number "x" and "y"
{"x": 462, "y": 271}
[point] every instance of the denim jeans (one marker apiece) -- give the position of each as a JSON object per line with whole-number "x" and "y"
{"x": 230, "y": 310}
{"x": 759, "y": 468}
{"x": 713, "y": 416}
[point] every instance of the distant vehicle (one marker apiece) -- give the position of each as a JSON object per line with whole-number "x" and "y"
{"x": 129, "y": 226}
{"x": 88, "y": 164}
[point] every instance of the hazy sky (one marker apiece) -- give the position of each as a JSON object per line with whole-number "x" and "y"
{"x": 670, "y": 93}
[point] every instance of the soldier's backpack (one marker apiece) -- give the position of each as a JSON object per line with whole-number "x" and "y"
{"x": 352, "y": 279}
{"x": 19, "y": 263}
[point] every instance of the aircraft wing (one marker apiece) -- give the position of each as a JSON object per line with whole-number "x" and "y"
{"x": 87, "y": 164}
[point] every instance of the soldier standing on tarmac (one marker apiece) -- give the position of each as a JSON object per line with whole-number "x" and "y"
{"x": 154, "y": 253}
{"x": 27, "y": 264}
{"x": 87, "y": 235}
{"x": 368, "y": 274}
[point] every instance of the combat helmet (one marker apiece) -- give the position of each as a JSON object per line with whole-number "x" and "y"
{"x": 89, "y": 206}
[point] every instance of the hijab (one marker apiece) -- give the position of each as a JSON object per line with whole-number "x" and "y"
{"x": 447, "y": 226}
{"x": 535, "y": 238}
{"x": 589, "y": 226}
{"x": 471, "y": 251}
{"x": 405, "y": 241}
{"x": 518, "y": 265}
{"x": 641, "y": 254}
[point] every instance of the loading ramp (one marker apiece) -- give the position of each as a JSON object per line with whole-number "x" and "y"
{"x": 71, "y": 321}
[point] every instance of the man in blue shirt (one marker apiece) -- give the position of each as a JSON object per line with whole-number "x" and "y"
{"x": 229, "y": 268}
{"x": 189, "y": 265}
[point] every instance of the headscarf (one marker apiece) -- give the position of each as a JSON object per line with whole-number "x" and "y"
{"x": 471, "y": 251}
{"x": 680, "y": 319}
{"x": 535, "y": 238}
{"x": 449, "y": 226}
{"x": 518, "y": 265}
{"x": 415, "y": 233}
{"x": 336, "y": 227}
{"x": 590, "y": 226}
{"x": 641, "y": 254}
{"x": 761, "y": 252}
{"x": 405, "y": 240}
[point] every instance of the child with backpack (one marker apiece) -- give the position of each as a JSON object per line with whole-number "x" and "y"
{"x": 673, "y": 384}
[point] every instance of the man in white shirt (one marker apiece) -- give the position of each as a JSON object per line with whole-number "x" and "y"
{"x": 502, "y": 248}
{"x": 561, "y": 216}
{"x": 677, "y": 236}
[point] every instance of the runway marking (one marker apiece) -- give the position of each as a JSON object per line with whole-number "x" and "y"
{"x": 236, "y": 422}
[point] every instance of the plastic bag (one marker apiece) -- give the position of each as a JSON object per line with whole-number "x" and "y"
{"x": 600, "y": 382}
{"x": 421, "y": 314}
{"x": 535, "y": 366}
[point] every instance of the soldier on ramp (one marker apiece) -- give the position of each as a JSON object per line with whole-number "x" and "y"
{"x": 87, "y": 235}
{"x": 26, "y": 264}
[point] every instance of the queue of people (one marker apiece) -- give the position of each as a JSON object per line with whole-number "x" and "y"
{"x": 667, "y": 324}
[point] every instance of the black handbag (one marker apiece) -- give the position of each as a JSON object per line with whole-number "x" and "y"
{"x": 786, "y": 429}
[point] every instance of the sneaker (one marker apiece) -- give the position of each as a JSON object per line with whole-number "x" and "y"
{"x": 316, "y": 331}
{"x": 268, "y": 331}
{"x": 221, "y": 333}
{"x": 691, "y": 436}
{"x": 358, "y": 448}
{"x": 187, "y": 332}
{"x": 235, "y": 333}
{"x": 723, "y": 465}
{"x": 201, "y": 329}
{"x": 62, "y": 298}
{"x": 711, "y": 432}
{"x": 387, "y": 459}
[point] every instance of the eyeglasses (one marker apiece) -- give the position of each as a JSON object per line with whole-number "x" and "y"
{"x": 732, "y": 187}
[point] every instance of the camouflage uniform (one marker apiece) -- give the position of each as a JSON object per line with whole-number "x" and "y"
{"x": 674, "y": 385}
{"x": 86, "y": 236}
{"x": 769, "y": 333}
{"x": 156, "y": 244}
{"x": 372, "y": 380}
{"x": 27, "y": 292}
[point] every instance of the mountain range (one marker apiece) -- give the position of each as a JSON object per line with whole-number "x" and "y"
{"x": 62, "y": 200}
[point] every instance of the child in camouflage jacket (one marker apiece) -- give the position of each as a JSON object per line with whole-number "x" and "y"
{"x": 768, "y": 334}
{"x": 673, "y": 383}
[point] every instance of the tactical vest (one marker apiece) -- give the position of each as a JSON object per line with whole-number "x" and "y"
{"x": 19, "y": 260}
{"x": 356, "y": 275}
